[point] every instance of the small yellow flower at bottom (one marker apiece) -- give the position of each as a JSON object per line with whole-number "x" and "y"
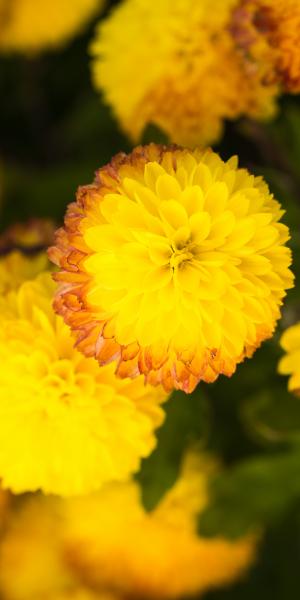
{"x": 66, "y": 426}
{"x": 26, "y": 27}
{"x": 107, "y": 545}
{"x": 174, "y": 264}
{"x": 290, "y": 363}
{"x": 116, "y": 545}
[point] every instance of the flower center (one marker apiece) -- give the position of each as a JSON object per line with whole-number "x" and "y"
{"x": 179, "y": 256}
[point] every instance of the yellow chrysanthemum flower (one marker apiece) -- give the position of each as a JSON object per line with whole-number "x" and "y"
{"x": 106, "y": 546}
{"x": 268, "y": 34}
{"x": 29, "y": 28}
{"x": 116, "y": 545}
{"x": 22, "y": 252}
{"x": 174, "y": 264}
{"x": 66, "y": 426}
{"x": 290, "y": 363}
{"x": 195, "y": 75}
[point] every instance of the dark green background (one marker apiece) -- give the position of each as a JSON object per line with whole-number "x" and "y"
{"x": 54, "y": 133}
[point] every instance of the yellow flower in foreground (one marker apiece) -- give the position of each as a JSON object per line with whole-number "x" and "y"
{"x": 106, "y": 546}
{"x": 268, "y": 33}
{"x": 28, "y": 27}
{"x": 176, "y": 64}
{"x": 290, "y": 363}
{"x": 173, "y": 263}
{"x": 66, "y": 426}
{"x": 116, "y": 545}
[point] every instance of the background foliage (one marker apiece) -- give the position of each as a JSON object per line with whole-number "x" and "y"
{"x": 54, "y": 133}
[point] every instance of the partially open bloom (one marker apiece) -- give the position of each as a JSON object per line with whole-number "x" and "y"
{"x": 66, "y": 426}
{"x": 173, "y": 263}
{"x": 290, "y": 363}
{"x": 116, "y": 545}
{"x": 195, "y": 76}
{"x": 29, "y": 28}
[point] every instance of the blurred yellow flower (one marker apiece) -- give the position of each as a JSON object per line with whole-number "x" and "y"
{"x": 173, "y": 263}
{"x": 31, "y": 566}
{"x": 176, "y": 64}
{"x": 106, "y": 547}
{"x": 268, "y": 34}
{"x": 290, "y": 363}
{"x": 66, "y": 426}
{"x": 22, "y": 252}
{"x": 116, "y": 545}
{"x": 28, "y": 27}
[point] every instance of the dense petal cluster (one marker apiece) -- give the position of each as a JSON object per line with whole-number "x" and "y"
{"x": 66, "y": 426}
{"x": 268, "y": 34}
{"x": 29, "y": 28}
{"x": 195, "y": 76}
{"x": 106, "y": 547}
{"x": 174, "y": 264}
{"x": 290, "y": 363}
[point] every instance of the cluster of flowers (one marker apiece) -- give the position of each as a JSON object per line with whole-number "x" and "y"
{"x": 204, "y": 66}
{"x": 171, "y": 269}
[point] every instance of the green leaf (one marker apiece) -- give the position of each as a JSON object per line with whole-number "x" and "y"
{"x": 255, "y": 493}
{"x": 273, "y": 415}
{"x": 152, "y": 133}
{"x": 187, "y": 423}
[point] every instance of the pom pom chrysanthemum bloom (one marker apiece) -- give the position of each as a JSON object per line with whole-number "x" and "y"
{"x": 174, "y": 264}
{"x": 290, "y": 363}
{"x": 195, "y": 76}
{"x": 66, "y": 426}
{"x": 203, "y": 66}
{"x": 29, "y": 28}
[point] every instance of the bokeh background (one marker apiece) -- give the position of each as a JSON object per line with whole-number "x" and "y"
{"x": 55, "y": 131}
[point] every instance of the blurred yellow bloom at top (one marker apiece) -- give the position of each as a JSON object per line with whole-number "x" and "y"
{"x": 106, "y": 546}
{"x": 290, "y": 363}
{"x": 268, "y": 34}
{"x": 66, "y": 426}
{"x": 28, "y": 26}
{"x": 174, "y": 264}
{"x": 186, "y": 68}
{"x": 175, "y": 63}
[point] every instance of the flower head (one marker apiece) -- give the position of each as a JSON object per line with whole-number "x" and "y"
{"x": 66, "y": 426}
{"x": 103, "y": 532}
{"x": 27, "y": 28}
{"x": 195, "y": 76}
{"x": 173, "y": 263}
{"x": 290, "y": 363}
